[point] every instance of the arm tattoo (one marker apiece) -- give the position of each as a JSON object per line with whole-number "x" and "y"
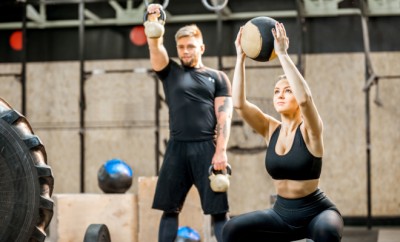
{"x": 218, "y": 130}
{"x": 224, "y": 108}
{"x": 227, "y": 105}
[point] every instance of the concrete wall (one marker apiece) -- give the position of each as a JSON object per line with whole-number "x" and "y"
{"x": 120, "y": 118}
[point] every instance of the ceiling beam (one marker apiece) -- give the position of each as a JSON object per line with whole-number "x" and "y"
{"x": 134, "y": 16}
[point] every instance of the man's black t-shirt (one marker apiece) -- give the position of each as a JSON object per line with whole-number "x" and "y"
{"x": 190, "y": 94}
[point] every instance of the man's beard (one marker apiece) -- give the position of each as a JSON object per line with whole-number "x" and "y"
{"x": 187, "y": 63}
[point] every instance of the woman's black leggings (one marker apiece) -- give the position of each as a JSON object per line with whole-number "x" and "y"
{"x": 313, "y": 217}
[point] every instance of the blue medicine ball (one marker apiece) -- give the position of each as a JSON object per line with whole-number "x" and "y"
{"x": 115, "y": 176}
{"x": 187, "y": 234}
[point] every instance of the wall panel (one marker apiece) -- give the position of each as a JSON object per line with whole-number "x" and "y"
{"x": 120, "y": 124}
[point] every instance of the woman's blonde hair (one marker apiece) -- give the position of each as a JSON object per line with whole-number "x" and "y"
{"x": 189, "y": 31}
{"x": 281, "y": 77}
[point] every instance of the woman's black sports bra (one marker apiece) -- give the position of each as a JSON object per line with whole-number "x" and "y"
{"x": 297, "y": 164}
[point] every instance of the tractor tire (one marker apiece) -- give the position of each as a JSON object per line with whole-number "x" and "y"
{"x": 26, "y": 181}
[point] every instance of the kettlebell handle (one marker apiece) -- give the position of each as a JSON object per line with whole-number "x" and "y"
{"x": 228, "y": 170}
{"x": 162, "y": 16}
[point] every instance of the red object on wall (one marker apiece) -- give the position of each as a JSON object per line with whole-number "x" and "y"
{"x": 137, "y": 36}
{"x": 16, "y": 40}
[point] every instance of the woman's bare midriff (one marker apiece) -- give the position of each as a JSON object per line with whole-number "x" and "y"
{"x": 292, "y": 189}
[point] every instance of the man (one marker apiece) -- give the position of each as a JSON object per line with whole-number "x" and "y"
{"x": 200, "y": 111}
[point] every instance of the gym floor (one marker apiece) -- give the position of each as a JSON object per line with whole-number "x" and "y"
{"x": 362, "y": 234}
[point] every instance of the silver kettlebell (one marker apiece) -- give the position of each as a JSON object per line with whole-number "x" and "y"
{"x": 154, "y": 29}
{"x": 219, "y": 180}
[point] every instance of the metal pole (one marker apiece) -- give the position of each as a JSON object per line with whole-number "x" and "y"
{"x": 301, "y": 20}
{"x": 23, "y": 60}
{"x": 219, "y": 40}
{"x": 368, "y": 152}
{"x": 82, "y": 101}
{"x": 368, "y": 74}
{"x": 157, "y": 123}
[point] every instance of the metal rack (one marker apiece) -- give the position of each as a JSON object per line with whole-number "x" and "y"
{"x": 36, "y": 12}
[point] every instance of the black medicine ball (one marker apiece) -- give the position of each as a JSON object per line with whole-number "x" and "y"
{"x": 257, "y": 40}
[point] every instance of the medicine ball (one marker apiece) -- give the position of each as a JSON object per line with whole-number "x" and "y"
{"x": 257, "y": 40}
{"x": 187, "y": 234}
{"x": 115, "y": 176}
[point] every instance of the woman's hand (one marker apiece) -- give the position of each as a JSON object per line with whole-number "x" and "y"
{"x": 239, "y": 50}
{"x": 281, "y": 43}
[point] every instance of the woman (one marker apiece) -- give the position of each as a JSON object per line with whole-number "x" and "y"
{"x": 294, "y": 159}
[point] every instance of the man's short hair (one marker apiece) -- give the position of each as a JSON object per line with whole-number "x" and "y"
{"x": 189, "y": 31}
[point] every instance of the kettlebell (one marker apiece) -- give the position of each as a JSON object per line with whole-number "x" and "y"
{"x": 154, "y": 29}
{"x": 219, "y": 180}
